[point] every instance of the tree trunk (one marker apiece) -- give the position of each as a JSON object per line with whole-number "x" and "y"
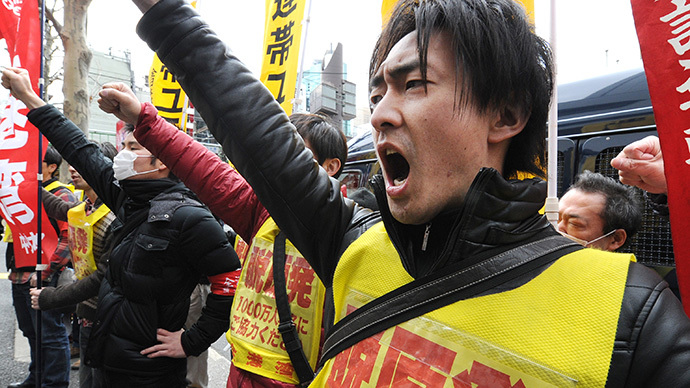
{"x": 76, "y": 63}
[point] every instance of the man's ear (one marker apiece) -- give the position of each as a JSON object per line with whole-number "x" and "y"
{"x": 161, "y": 166}
{"x": 617, "y": 239}
{"x": 51, "y": 168}
{"x": 331, "y": 166}
{"x": 508, "y": 122}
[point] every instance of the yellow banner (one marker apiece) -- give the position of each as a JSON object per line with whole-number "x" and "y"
{"x": 281, "y": 49}
{"x": 529, "y": 7}
{"x": 167, "y": 94}
{"x": 387, "y": 8}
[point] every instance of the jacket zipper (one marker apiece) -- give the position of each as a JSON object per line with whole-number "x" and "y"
{"x": 426, "y": 237}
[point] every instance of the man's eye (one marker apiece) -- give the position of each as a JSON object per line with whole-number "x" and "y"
{"x": 414, "y": 83}
{"x": 373, "y": 100}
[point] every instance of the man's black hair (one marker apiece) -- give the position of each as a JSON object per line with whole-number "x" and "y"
{"x": 108, "y": 149}
{"x": 622, "y": 209}
{"x": 326, "y": 140}
{"x": 499, "y": 63}
{"x": 127, "y": 128}
{"x": 52, "y": 156}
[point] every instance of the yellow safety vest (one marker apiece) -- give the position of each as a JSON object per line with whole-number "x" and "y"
{"x": 77, "y": 193}
{"x": 56, "y": 184}
{"x": 257, "y": 346}
{"x": 557, "y": 330}
{"x": 241, "y": 248}
{"x": 81, "y": 237}
{"x": 7, "y": 236}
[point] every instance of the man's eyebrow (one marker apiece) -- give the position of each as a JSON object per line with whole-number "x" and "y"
{"x": 394, "y": 72}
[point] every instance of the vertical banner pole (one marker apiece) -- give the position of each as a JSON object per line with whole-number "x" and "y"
{"x": 551, "y": 207}
{"x": 39, "y": 209}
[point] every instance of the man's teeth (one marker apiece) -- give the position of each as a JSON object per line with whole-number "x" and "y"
{"x": 398, "y": 181}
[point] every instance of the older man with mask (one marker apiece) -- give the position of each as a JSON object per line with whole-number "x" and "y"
{"x": 599, "y": 212}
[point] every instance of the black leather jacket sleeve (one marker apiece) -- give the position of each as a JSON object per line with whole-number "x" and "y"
{"x": 254, "y": 131}
{"x": 652, "y": 347}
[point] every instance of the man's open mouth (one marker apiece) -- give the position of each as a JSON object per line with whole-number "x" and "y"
{"x": 396, "y": 167}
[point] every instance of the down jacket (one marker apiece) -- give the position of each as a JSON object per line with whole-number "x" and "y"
{"x": 165, "y": 241}
{"x": 652, "y": 344}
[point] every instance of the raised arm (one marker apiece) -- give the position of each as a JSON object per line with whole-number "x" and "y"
{"x": 144, "y": 5}
{"x": 79, "y": 152}
{"x": 17, "y": 81}
{"x": 216, "y": 183}
{"x": 254, "y": 131}
{"x": 67, "y": 138}
{"x": 641, "y": 164}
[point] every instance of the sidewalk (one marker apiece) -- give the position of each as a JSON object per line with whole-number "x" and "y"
{"x": 15, "y": 357}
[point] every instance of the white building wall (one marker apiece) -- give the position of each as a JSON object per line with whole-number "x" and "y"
{"x": 105, "y": 68}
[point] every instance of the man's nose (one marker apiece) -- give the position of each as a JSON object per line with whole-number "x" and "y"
{"x": 387, "y": 114}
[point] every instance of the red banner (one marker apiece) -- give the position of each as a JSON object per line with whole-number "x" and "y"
{"x": 9, "y": 22}
{"x": 663, "y": 28}
{"x": 19, "y": 139}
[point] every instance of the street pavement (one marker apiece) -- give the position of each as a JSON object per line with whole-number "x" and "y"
{"x": 14, "y": 348}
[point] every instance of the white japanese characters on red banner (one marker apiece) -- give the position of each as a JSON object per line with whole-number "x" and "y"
{"x": 19, "y": 154}
{"x": 664, "y": 35}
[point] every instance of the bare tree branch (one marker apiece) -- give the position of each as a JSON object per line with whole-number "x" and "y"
{"x": 56, "y": 24}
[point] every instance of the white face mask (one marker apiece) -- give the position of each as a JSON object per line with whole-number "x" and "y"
{"x": 123, "y": 165}
{"x": 586, "y": 243}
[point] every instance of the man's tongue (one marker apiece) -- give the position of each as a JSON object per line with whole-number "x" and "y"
{"x": 399, "y": 168}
